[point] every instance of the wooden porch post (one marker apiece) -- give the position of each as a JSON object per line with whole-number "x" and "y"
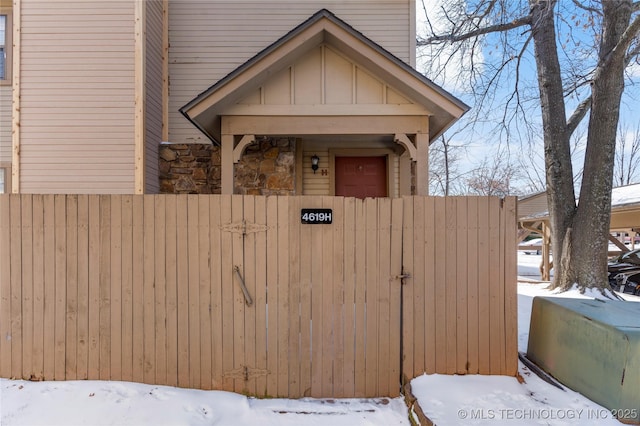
{"x": 227, "y": 164}
{"x": 422, "y": 164}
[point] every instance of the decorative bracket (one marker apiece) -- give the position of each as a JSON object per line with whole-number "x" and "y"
{"x": 239, "y": 149}
{"x": 402, "y": 139}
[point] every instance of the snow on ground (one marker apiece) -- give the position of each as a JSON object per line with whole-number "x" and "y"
{"x": 447, "y": 400}
{"x": 119, "y": 403}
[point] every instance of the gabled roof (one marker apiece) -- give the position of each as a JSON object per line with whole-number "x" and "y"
{"x": 206, "y": 109}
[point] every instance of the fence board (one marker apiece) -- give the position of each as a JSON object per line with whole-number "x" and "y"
{"x": 317, "y": 306}
{"x": 143, "y": 288}
{"x": 338, "y": 305}
{"x": 127, "y": 287}
{"x": 60, "y": 285}
{"x": 348, "y": 320}
{"x": 171, "y": 293}
{"x": 305, "y": 302}
{"x": 294, "y": 292}
{"x": 5, "y": 286}
{"x": 115, "y": 332}
{"x": 384, "y": 295}
{"x": 326, "y": 318}
{"x": 395, "y": 309}
{"x": 105, "y": 289}
{"x": 372, "y": 292}
{"x": 283, "y": 295}
{"x": 16, "y": 286}
{"x": 239, "y": 337}
{"x": 138, "y": 285}
{"x": 450, "y": 290}
{"x": 204, "y": 296}
{"x": 228, "y": 289}
{"x": 147, "y": 314}
{"x": 360, "y": 298}
{"x": 38, "y": 306}
{"x": 483, "y": 286}
{"x": 249, "y": 275}
{"x": 92, "y": 305}
{"x": 193, "y": 291}
{"x": 423, "y": 296}
{"x": 496, "y": 326}
{"x": 472, "y": 284}
{"x": 510, "y": 287}
{"x": 462, "y": 303}
{"x": 272, "y": 294}
{"x": 27, "y": 286}
{"x": 440, "y": 285}
{"x": 49, "y": 298}
{"x": 72, "y": 287}
{"x": 160, "y": 288}
{"x": 216, "y": 292}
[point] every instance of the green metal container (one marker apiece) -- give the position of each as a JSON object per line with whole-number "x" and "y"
{"x": 591, "y": 346}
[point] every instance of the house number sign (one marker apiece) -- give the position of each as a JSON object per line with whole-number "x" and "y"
{"x": 316, "y": 216}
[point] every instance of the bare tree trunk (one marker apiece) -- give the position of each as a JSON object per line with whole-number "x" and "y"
{"x": 580, "y": 257}
{"x": 557, "y": 152}
{"x": 594, "y": 208}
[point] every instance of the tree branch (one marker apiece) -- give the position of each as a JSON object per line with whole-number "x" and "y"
{"x": 453, "y": 38}
{"x": 584, "y": 106}
{"x": 579, "y": 113}
{"x": 621, "y": 48}
{"x": 587, "y": 8}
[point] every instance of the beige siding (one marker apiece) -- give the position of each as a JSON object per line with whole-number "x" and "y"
{"x": 77, "y": 96}
{"x": 5, "y": 124}
{"x": 153, "y": 89}
{"x": 209, "y": 39}
{"x": 532, "y": 205}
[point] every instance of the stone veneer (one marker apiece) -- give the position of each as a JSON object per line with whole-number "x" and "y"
{"x": 267, "y": 167}
{"x": 189, "y": 169}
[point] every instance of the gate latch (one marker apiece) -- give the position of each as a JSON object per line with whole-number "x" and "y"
{"x": 402, "y": 276}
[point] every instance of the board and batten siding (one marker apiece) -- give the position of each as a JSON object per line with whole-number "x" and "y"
{"x": 209, "y": 39}
{"x": 77, "y": 96}
{"x": 153, "y": 93}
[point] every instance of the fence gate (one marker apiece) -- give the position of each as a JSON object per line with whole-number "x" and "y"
{"x": 313, "y": 309}
{"x": 236, "y": 293}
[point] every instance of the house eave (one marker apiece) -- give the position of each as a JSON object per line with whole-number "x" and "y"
{"x": 205, "y": 110}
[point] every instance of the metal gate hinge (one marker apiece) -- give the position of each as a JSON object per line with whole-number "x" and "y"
{"x": 243, "y": 227}
{"x": 245, "y": 373}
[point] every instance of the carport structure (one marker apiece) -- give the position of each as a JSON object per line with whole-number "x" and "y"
{"x": 533, "y": 217}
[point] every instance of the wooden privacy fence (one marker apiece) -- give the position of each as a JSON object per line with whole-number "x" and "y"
{"x": 149, "y": 288}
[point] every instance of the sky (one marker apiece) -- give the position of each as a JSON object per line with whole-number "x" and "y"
{"x": 445, "y": 399}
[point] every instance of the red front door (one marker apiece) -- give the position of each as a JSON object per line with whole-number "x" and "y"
{"x": 361, "y": 177}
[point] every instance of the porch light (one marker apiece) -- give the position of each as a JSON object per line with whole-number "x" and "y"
{"x": 314, "y": 163}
